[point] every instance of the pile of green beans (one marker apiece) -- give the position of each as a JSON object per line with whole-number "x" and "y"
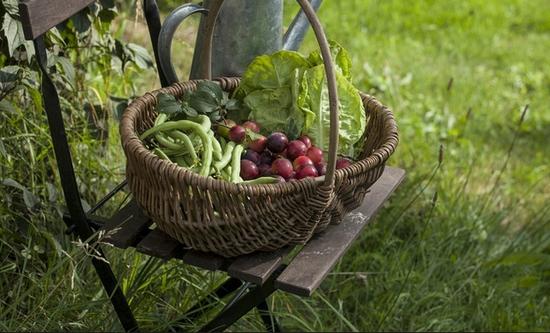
{"x": 192, "y": 145}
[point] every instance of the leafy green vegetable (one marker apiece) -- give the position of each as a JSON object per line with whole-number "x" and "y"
{"x": 269, "y": 89}
{"x": 287, "y": 92}
{"x": 208, "y": 99}
{"x": 340, "y": 57}
{"x": 314, "y": 99}
{"x": 271, "y": 71}
{"x": 168, "y": 104}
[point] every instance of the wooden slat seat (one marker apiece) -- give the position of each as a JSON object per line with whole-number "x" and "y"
{"x": 311, "y": 265}
{"x": 127, "y": 226}
{"x": 158, "y": 244}
{"x": 131, "y": 228}
{"x": 257, "y": 267}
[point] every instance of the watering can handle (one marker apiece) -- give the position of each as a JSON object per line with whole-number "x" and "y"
{"x": 168, "y": 29}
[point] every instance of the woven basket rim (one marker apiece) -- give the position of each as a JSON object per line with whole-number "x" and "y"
{"x": 130, "y": 139}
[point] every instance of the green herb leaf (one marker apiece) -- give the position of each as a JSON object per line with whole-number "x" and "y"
{"x": 232, "y": 105}
{"x": 215, "y": 116}
{"x": 203, "y": 102}
{"x": 168, "y": 104}
{"x": 211, "y": 88}
{"x": 189, "y": 111}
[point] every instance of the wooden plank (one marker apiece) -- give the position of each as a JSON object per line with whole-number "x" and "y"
{"x": 38, "y": 16}
{"x": 127, "y": 226}
{"x": 309, "y": 268}
{"x": 158, "y": 244}
{"x": 257, "y": 267}
{"x": 209, "y": 261}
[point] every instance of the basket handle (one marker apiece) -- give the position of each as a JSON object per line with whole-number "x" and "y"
{"x": 332, "y": 91}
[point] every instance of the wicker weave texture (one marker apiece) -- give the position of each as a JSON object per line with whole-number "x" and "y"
{"x": 233, "y": 219}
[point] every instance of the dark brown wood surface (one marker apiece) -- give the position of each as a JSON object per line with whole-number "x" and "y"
{"x": 257, "y": 267}
{"x": 209, "y": 261}
{"x": 309, "y": 268}
{"x": 126, "y": 227}
{"x": 38, "y": 16}
{"x": 158, "y": 244}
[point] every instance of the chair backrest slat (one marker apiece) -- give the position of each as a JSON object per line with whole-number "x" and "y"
{"x": 38, "y": 16}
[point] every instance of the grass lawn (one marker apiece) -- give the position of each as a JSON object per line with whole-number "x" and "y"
{"x": 463, "y": 245}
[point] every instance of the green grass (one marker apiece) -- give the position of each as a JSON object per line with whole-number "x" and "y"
{"x": 463, "y": 245}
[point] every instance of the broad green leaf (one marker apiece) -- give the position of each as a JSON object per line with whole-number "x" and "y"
{"x": 168, "y": 104}
{"x": 31, "y": 200}
{"x": 340, "y": 58}
{"x": 203, "y": 102}
{"x": 107, "y": 15}
{"x": 189, "y": 111}
{"x": 232, "y": 104}
{"x": 68, "y": 69}
{"x": 13, "y": 32}
{"x": 81, "y": 21}
{"x": 13, "y": 183}
{"x": 140, "y": 56}
{"x": 271, "y": 71}
{"x": 9, "y": 77}
{"x": 119, "y": 110}
{"x": 212, "y": 89}
{"x": 6, "y": 106}
{"x": 273, "y": 109}
{"x": 314, "y": 99}
{"x": 107, "y": 3}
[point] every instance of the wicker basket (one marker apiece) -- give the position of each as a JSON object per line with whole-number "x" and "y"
{"x": 233, "y": 219}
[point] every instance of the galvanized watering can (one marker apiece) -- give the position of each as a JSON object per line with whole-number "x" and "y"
{"x": 231, "y": 33}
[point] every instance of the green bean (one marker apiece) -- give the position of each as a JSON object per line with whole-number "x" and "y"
{"x": 226, "y": 173}
{"x": 181, "y": 162}
{"x": 217, "y": 149}
{"x": 186, "y": 142}
{"x": 163, "y": 141}
{"x": 161, "y": 154}
{"x": 178, "y": 152}
{"x": 186, "y": 124}
{"x": 203, "y": 120}
{"x": 261, "y": 180}
{"x": 191, "y": 162}
{"x": 226, "y": 157}
{"x": 171, "y": 125}
{"x": 236, "y": 163}
{"x": 161, "y": 118}
{"x": 206, "y": 124}
{"x": 207, "y": 155}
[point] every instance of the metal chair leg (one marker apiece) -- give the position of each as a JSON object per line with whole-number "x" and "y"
{"x": 115, "y": 294}
{"x": 270, "y": 322}
{"x": 242, "y": 305}
{"x": 229, "y": 286}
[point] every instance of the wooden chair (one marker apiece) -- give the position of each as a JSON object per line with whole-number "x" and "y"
{"x": 254, "y": 277}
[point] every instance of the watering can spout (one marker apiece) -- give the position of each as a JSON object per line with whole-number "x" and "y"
{"x": 297, "y": 30}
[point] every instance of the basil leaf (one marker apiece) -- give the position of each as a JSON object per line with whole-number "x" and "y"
{"x": 189, "y": 111}
{"x": 210, "y": 88}
{"x": 232, "y": 104}
{"x": 168, "y": 104}
{"x": 203, "y": 103}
